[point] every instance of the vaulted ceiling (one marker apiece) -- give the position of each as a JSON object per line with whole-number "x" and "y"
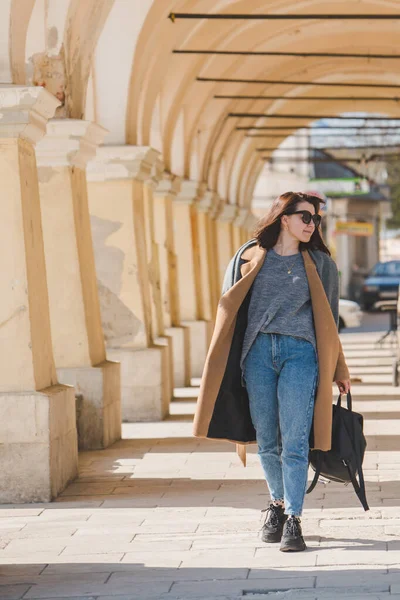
{"x": 112, "y": 61}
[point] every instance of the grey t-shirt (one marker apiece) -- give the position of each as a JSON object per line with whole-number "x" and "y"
{"x": 280, "y": 301}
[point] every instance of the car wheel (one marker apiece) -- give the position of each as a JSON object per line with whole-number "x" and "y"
{"x": 342, "y": 324}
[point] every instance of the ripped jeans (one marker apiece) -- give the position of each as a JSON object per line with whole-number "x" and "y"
{"x": 281, "y": 373}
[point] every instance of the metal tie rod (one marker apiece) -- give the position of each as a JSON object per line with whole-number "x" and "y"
{"x": 325, "y": 130}
{"x": 338, "y": 159}
{"x": 372, "y": 147}
{"x": 173, "y": 16}
{"x": 278, "y": 53}
{"x": 275, "y": 116}
{"x": 307, "y": 136}
{"x": 314, "y": 83}
{"x": 309, "y": 159}
{"x": 310, "y": 98}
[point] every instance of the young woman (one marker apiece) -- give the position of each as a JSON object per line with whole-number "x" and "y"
{"x": 274, "y": 354}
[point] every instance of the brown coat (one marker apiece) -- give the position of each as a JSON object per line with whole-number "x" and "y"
{"x": 332, "y": 365}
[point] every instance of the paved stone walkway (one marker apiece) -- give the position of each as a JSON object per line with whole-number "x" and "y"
{"x": 162, "y": 515}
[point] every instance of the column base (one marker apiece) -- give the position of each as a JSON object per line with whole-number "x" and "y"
{"x": 98, "y": 402}
{"x": 199, "y": 335}
{"x": 39, "y": 449}
{"x": 145, "y": 382}
{"x": 164, "y": 342}
{"x": 181, "y": 355}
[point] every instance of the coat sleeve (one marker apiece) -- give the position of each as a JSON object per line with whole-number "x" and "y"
{"x": 341, "y": 371}
{"x": 331, "y": 284}
{"x": 330, "y": 280}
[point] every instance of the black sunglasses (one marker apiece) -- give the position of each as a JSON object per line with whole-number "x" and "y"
{"x": 307, "y": 217}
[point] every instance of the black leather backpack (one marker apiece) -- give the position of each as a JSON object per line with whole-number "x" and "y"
{"x": 343, "y": 463}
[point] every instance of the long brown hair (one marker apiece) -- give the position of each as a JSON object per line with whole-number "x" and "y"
{"x": 269, "y": 227}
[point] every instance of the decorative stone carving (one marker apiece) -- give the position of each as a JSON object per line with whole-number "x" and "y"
{"x": 49, "y": 73}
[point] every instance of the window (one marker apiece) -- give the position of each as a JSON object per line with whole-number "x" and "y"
{"x": 388, "y": 269}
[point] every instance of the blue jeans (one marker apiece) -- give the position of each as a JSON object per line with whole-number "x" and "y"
{"x": 280, "y": 373}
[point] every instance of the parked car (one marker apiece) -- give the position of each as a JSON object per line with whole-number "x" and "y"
{"x": 350, "y": 314}
{"x": 381, "y": 284}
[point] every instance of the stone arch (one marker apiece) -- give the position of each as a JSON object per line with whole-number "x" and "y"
{"x": 85, "y": 21}
{"x": 178, "y": 86}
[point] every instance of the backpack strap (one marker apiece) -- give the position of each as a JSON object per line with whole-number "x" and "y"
{"x": 359, "y": 488}
{"x": 317, "y": 473}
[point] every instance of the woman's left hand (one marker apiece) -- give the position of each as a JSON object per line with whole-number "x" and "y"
{"x": 344, "y": 386}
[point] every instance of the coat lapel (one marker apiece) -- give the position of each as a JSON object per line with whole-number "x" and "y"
{"x": 218, "y": 351}
{"x": 254, "y": 258}
{"x": 322, "y": 313}
{"x": 328, "y": 346}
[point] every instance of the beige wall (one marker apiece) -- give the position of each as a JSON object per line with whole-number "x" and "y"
{"x": 117, "y": 218}
{"x": 153, "y": 261}
{"x": 70, "y": 339}
{"x": 27, "y": 361}
{"x": 182, "y": 224}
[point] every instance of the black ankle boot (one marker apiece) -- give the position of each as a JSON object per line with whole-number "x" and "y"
{"x": 273, "y": 524}
{"x": 292, "y": 538}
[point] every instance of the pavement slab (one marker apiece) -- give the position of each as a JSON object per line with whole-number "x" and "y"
{"x": 164, "y": 516}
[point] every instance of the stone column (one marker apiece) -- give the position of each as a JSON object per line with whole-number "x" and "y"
{"x": 207, "y": 207}
{"x": 160, "y": 338}
{"x": 203, "y": 206}
{"x": 342, "y": 243}
{"x": 164, "y": 238}
{"x": 38, "y": 442}
{"x": 249, "y": 226}
{"x": 189, "y": 272}
{"x": 238, "y": 227}
{"x": 78, "y": 341}
{"x": 117, "y": 208}
{"x": 224, "y": 221}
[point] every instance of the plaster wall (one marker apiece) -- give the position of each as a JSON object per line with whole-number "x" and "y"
{"x": 67, "y": 314}
{"x": 153, "y": 262}
{"x": 184, "y": 250}
{"x": 5, "y": 63}
{"x": 206, "y": 265}
{"x": 110, "y": 72}
{"x": 27, "y": 362}
{"x": 162, "y": 205}
{"x": 113, "y": 215}
{"x": 119, "y": 237}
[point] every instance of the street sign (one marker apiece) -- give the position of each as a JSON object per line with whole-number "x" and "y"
{"x": 357, "y": 228}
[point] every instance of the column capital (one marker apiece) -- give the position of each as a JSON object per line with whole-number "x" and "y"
{"x": 241, "y": 217}
{"x": 24, "y": 111}
{"x": 190, "y": 191}
{"x": 123, "y": 162}
{"x": 207, "y": 202}
{"x": 250, "y": 222}
{"x": 169, "y": 185}
{"x": 227, "y": 212}
{"x": 217, "y": 206}
{"x": 157, "y": 172}
{"x": 69, "y": 142}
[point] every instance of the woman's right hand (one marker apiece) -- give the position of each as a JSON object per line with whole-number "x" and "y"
{"x": 344, "y": 386}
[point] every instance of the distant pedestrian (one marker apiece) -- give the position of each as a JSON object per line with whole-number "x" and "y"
{"x": 274, "y": 354}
